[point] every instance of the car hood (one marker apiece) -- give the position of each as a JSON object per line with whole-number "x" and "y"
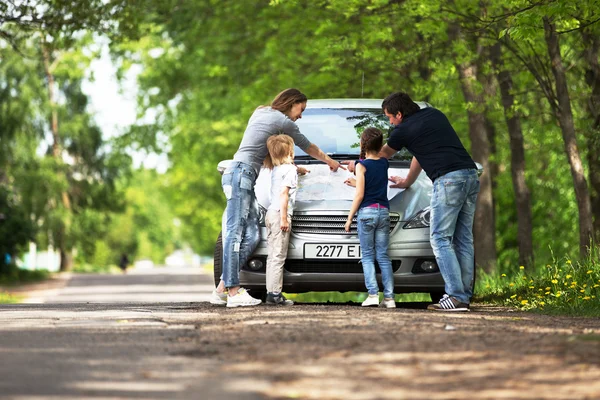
{"x": 323, "y": 191}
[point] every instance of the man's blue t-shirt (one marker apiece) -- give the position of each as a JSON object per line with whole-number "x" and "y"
{"x": 429, "y": 137}
{"x": 376, "y": 182}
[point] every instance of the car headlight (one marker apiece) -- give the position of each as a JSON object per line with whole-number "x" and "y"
{"x": 421, "y": 220}
{"x": 262, "y": 213}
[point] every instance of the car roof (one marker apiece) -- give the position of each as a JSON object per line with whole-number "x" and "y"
{"x": 351, "y": 103}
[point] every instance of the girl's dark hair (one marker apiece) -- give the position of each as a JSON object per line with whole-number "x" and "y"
{"x": 371, "y": 140}
{"x": 400, "y": 102}
{"x": 285, "y": 100}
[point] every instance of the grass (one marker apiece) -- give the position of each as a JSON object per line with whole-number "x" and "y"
{"x": 354, "y": 297}
{"x": 6, "y": 298}
{"x": 17, "y": 276}
{"x": 563, "y": 286}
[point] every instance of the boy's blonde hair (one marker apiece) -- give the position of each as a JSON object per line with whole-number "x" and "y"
{"x": 281, "y": 151}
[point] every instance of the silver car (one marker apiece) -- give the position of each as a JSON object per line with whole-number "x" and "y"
{"x": 322, "y": 256}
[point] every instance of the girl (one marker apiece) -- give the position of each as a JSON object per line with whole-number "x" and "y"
{"x": 373, "y": 220}
{"x": 240, "y": 219}
{"x": 284, "y": 182}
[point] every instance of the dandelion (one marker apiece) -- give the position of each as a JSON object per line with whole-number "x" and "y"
{"x": 524, "y": 278}
{"x": 582, "y": 291}
{"x": 569, "y": 262}
{"x": 524, "y": 302}
{"x": 586, "y": 297}
{"x": 513, "y": 296}
{"x": 596, "y": 285}
{"x": 554, "y": 281}
{"x": 542, "y": 303}
{"x": 540, "y": 290}
{"x": 521, "y": 267}
{"x": 531, "y": 287}
{"x": 548, "y": 288}
{"x": 589, "y": 272}
{"x": 547, "y": 293}
{"x": 558, "y": 294}
{"x": 574, "y": 283}
{"x": 511, "y": 284}
{"x": 569, "y": 276}
{"x": 503, "y": 275}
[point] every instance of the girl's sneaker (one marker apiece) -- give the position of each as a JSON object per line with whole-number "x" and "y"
{"x": 242, "y": 299}
{"x": 218, "y": 299}
{"x": 372, "y": 300}
{"x": 388, "y": 303}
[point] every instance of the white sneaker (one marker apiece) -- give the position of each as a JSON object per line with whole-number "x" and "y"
{"x": 242, "y": 299}
{"x": 372, "y": 300}
{"x": 218, "y": 299}
{"x": 388, "y": 303}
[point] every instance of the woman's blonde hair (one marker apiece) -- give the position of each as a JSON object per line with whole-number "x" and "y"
{"x": 281, "y": 151}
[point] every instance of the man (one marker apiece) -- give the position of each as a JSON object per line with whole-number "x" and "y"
{"x": 436, "y": 148}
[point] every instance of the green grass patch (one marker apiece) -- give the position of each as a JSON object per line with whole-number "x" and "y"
{"x": 18, "y": 276}
{"x": 354, "y": 297}
{"x": 6, "y": 298}
{"x": 563, "y": 286}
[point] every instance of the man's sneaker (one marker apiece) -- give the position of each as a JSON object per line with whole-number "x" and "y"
{"x": 388, "y": 303}
{"x": 372, "y": 300}
{"x": 448, "y": 303}
{"x": 242, "y": 299}
{"x": 218, "y": 299}
{"x": 278, "y": 300}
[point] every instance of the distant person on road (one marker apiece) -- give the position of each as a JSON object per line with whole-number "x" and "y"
{"x": 124, "y": 263}
{"x": 373, "y": 218}
{"x": 436, "y": 148}
{"x": 284, "y": 183}
{"x": 240, "y": 219}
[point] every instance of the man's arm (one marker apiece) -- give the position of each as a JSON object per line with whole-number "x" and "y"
{"x": 386, "y": 151}
{"x": 413, "y": 174}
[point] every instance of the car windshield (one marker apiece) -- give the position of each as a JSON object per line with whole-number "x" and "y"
{"x": 337, "y": 131}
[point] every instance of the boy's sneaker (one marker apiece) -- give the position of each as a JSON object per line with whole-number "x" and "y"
{"x": 218, "y": 299}
{"x": 388, "y": 303}
{"x": 448, "y": 303}
{"x": 278, "y": 300}
{"x": 242, "y": 299}
{"x": 372, "y": 300}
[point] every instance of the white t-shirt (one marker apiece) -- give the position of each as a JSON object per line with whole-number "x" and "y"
{"x": 282, "y": 176}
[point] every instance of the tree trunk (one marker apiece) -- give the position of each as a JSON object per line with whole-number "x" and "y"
{"x": 484, "y": 228}
{"x": 565, "y": 119}
{"x": 592, "y": 78}
{"x": 517, "y": 158}
{"x": 65, "y": 264}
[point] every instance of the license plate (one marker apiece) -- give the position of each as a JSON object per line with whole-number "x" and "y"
{"x": 332, "y": 251}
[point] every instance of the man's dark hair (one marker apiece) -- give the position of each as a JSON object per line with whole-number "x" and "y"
{"x": 400, "y": 102}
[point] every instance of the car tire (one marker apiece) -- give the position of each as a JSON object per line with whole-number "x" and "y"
{"x": 218, "y": 259}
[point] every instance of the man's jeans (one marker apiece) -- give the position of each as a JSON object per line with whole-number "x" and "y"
{"x": 452, "y": 213}
{"x": 240, "y": 220}
{"x": 374, "y": 236}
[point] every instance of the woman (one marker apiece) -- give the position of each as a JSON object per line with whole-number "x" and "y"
{"x": 240, "y": 220}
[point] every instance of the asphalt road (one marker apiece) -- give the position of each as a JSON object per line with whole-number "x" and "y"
{"x": 110, "y": 336}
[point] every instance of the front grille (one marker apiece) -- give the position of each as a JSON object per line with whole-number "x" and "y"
{"x": 330, "y": 224}
{"x": 333, "y": 267}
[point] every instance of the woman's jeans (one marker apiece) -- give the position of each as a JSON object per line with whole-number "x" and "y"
{"x": 452, "y": 213}
{"x": 374, "y": 236}
{"x": 240, "y": 220}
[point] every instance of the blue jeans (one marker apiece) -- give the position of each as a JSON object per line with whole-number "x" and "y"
{"x": 240, "y": 220}
{"x": 374, "y": 236}
{"x": 452, "y": 213}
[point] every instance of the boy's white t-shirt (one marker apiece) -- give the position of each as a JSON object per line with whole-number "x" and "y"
{"x": 281, "y": 176}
